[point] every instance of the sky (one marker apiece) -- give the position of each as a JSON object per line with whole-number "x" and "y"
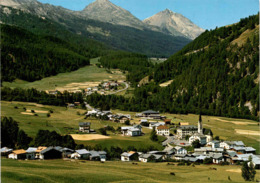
{"x": 207, "y": 14}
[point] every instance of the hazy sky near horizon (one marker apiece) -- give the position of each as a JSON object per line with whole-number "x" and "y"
{"x": 205, "y": 13}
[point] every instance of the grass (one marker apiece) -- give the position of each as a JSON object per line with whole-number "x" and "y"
{"x": 89, "y": 73}
{"x": 65, "y": 121}
{"x": 89, "y": 171}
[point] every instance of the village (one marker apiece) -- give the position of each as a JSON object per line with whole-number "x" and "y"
{"x": 177, "y": 147}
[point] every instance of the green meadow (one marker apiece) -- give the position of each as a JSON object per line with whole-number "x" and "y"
{"x": 74, "y": 171}
{"x": 90, "y": 73}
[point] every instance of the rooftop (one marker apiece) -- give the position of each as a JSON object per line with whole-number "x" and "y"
{"x": 162, "y": 127}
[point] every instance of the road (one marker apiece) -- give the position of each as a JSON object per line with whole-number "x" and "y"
{"x": 126, "y": 87}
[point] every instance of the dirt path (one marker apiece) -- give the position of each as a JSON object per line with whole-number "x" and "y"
{"x": 235, "y": 122}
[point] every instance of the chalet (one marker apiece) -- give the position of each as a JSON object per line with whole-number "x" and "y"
{"x": 129, "y": 156}
{"x": 31, "y": 153}
{"x": 207, "y": 150}
{"x": 150, "y": 158}
{"x": 197, "y": 136}
{"x": 150, "y": 114}
{"x": 84, "y": 127}
{"x": 185, "y": 130}
{"x": 51, "y": 153}
{"x": 5, "y": 151}
{"x": 249, "y": 150}
{"x": 170, "y": 151}
{"x": 132, "y": 131}
{"x": 256, "y": 163}
{"x": 163, "y": 130}
{"x": 81, "y": 154}
{"x": 66, "y": 152}
{"x": 18, "y": 154}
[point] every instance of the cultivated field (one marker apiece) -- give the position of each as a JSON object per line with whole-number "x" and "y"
{"x": 85, "y": 77}
{"x": 93, "y": 172}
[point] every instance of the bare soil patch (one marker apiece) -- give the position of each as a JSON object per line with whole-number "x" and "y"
{"x": 166, "y": 83}
{"x": 234, "y": 170}
{"x": 77, "y": 86}
{"x": 89, "y": 137}
{"x": 37, "y": 111}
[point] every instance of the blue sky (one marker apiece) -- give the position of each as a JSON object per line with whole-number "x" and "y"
{"x": 205, "y": 13}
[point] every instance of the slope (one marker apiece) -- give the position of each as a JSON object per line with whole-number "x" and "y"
{"x": 31, "y": 57}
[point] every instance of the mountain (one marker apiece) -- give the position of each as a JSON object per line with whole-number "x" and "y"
{"x": 175, "y": 23}
{"x": 105, "y": 11}
{"x": 134, "y": 39}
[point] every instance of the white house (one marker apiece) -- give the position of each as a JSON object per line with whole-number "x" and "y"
{"x": 180, "y": 150}
{"x": 81, "y": 154}
{"x": 150, "y": 157}
{"x": 197, "y": 136}
{"x": 84, "y": 127}
{"x": 132, "y": 131}
{"x": 155, "y": 124}
{"x": 231, "y": 144}
{"x": 129, "y": 156}
{"x": 218, "y": 158}
{"x": 163, "y": 130}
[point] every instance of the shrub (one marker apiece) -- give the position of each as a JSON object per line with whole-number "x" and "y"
{"x": 48, "y": 115}
{"x": 32, "y": 111}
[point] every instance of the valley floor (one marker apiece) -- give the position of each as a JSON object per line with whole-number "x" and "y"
{"x": 88, "y": 171}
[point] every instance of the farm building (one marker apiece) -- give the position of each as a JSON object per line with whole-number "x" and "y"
{"x": 81, "y": 154}
{"x": 5, "y": 151}
{"x": 51, "y": 153}
{"x": 18, "y": 154}
{"x": 84, "y": 127}
{"x": 129, "y": 156}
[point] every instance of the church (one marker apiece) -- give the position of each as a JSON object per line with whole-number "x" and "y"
{"x": 195, "y": 133}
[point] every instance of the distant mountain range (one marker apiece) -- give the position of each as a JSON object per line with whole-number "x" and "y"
{"x": 105, "y": 22}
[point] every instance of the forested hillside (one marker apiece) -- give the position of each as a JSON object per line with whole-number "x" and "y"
{"x": 31, "y": 57}
{"x": 216, "y": 74}
{"x": 137, "y": 65}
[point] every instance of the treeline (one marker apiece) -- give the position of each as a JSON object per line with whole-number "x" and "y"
{"x": 41, "y": 97}
{"x": 32, "y": 57}
{"x": 13, "y": 137}
{"x": 137, "y": 65}
{"x": 219, "y": 80}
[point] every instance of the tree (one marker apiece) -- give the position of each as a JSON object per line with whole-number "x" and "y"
{"x": 103, "y": 131}
{"x": 153, "y": 135}
{"x": 9, "y": 132}
{"x": 196, "y": 144}
{"x": 127, "y": 122}
{"x": 23, "y": 140}
{"x": 248, "y": 170}
{"x": 187, "y": 137}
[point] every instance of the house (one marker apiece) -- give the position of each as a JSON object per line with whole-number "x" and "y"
{"x": 184, "y": 123}
{"x": 5, "y": 151}
{"x": 214, "y": 144}
{"x": 51, "y": 153}
{"x": 231, "y": 144}
{"x": 97, "y": 155}
{"x": 66, "y": 152}
{"x": 170, "y": 151}
{"x": 185, "y": 130}
{"x": 84, "y": 127}
{"x": 208, "y": 133}
{"x": 132, "y": 131}
{"x": 81, "y": 154}
{"x": 218, "y": 158}
{"x": 18, "y": 154}
{"x": 31, "y": 153}
{"x": 167, "y": 121}
{"x": 129, "y": 156}
{"x": 38, "y": 151}
{"x": 249, "y": 150}
{"x": 150, "y": 158}
{"x": 180, "y": 150}
{"x": 197, "y": 136}
{"x": 256, "y": 163}
{"x": 155, "y": 124}
{"x": 163, "y": 130}
{"x": 150, "y": 113}
{"x": 207, "y": 150}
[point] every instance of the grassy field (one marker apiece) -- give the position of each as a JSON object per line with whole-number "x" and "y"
{"x": 65, "y": 121}
{"x": 86, "y": 74}
{"x": 93, "y": 172}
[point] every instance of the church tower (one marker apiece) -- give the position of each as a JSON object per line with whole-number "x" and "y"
{"x": 200, "y": 129}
